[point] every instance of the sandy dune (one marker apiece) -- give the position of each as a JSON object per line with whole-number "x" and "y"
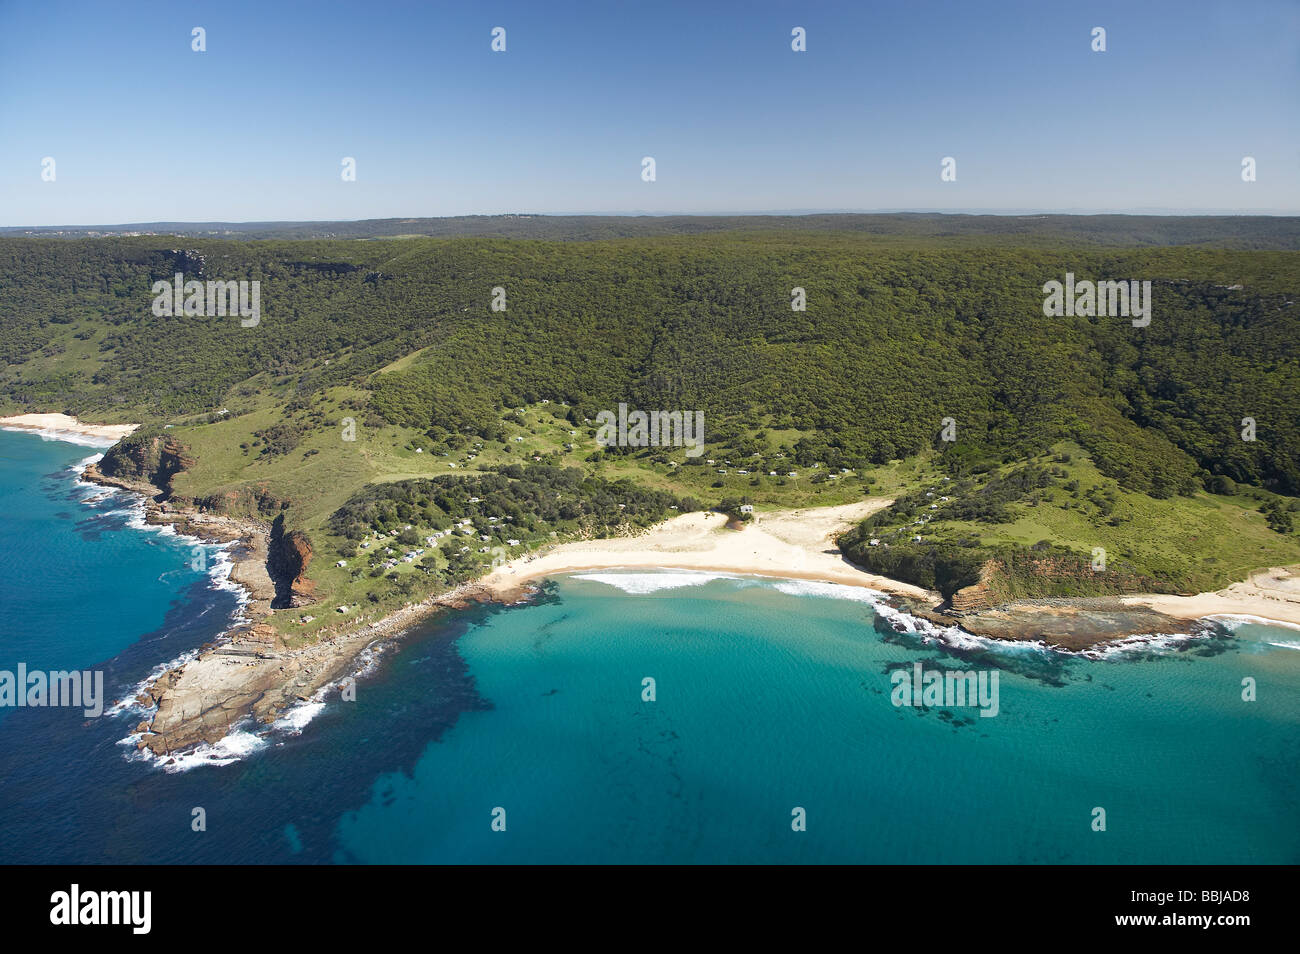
{"x": 793, "y": 544}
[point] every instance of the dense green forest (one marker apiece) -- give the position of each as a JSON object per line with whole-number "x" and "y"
{"x": 922, "y": 337}
{"x": 897, "y": 336}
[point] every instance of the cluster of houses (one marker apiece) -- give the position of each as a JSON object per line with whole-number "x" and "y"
{"x": 465, "y": 527}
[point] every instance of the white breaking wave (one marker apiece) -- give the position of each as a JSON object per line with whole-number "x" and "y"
{"x": 1139, "y": 643}
{"x": 1234, "y": 621}
{"x": 296, "y": 717}
{"x": 238, "y": 744}
{"x": 837, "y": 591}
{"x": 639, "y": 584}
{"x": 66, "y": 437}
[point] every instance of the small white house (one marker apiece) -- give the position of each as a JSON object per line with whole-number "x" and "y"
{"x": 341, "y": 563}
{"x": 746, "y": 508}
{"x": 875, "y": 542}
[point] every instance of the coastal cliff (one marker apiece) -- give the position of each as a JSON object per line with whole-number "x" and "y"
{"x": 146, "y": 462}
{"x": 290, "y": 553}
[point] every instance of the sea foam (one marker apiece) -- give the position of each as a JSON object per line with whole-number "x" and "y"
{"x": 639, "y": 584}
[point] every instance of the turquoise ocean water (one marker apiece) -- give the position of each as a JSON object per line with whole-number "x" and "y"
{"x": 769, "y": 696}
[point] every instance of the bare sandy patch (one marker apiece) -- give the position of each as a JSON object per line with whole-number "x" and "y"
{"x": 56, "y": 425}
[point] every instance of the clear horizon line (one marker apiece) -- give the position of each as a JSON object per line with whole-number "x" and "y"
{"x": 640, "y": 213}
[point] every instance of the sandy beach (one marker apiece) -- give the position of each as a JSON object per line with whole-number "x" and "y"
{"x": 1272, "y": 594}
{"x": 65, "y": 425}
{"x": 251, "y": 672}
{"x": 791, "y": 544}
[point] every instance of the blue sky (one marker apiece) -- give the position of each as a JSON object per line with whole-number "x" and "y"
{"x": 144, "y": 129}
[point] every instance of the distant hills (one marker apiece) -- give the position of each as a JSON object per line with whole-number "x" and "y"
{"x": 1229, "y": 231}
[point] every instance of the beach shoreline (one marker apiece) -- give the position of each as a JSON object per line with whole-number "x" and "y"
{"x": 249, "y": 673}
{"x": 788, "y": 545}
{"x": 65, "y": 427}
{"x": 1271, "y": 596}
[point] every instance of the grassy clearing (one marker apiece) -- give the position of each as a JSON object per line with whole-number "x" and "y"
{"x": 1206, "y": 540}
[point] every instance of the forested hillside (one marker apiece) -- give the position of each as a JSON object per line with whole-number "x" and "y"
{"x": 384, "y": 362}
{"x": 897, "y": 335}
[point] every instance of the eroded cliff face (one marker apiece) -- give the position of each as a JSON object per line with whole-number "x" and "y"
{"x": 1026, "y": 575}
{"x": 146, "y": 461}
{"x": 271, "y": 565}
{"x": 288, "y": 556}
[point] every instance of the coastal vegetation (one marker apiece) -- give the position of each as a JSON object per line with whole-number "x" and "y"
{"x": 381, "y": 389}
